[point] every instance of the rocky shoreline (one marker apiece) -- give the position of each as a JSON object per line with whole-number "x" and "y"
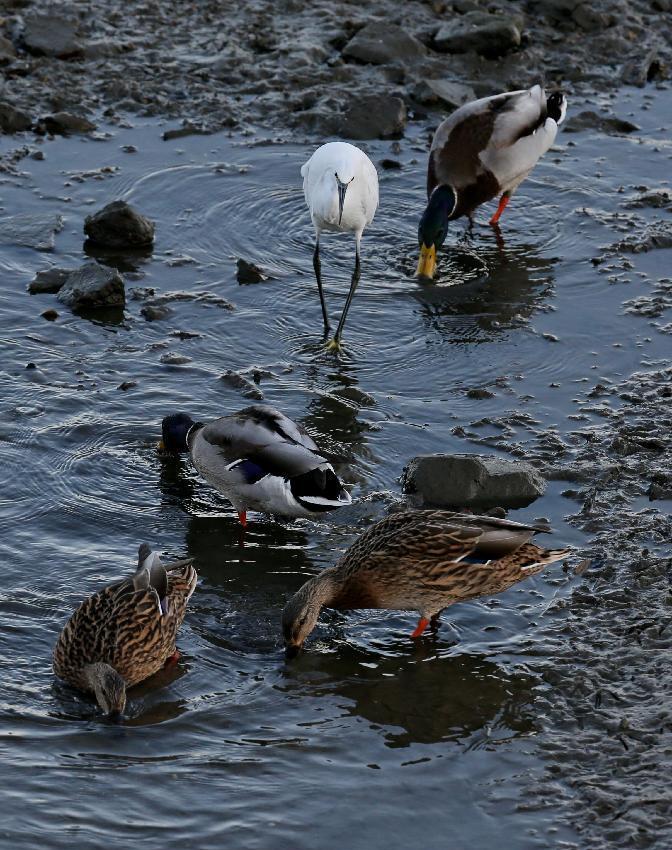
{"x": 323, "y": 68}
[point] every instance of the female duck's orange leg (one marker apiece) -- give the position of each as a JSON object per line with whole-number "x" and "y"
{"x": 503, "y": 201}
{"x": 419, "y": 629}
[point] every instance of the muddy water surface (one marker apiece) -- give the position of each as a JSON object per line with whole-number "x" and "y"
{"x": 234, "y": 747}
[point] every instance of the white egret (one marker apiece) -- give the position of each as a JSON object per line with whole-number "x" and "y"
{"x": 341, "y": 187}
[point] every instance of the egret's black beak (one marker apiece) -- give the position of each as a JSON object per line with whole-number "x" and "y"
{"x": 342, "y": 189}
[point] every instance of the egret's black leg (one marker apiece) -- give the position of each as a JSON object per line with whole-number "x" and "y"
{"x": 336, "y": 342}
{"x": 318, "y": 275}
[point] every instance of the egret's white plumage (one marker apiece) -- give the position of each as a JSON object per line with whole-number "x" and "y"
{"x": 340, "y": 184}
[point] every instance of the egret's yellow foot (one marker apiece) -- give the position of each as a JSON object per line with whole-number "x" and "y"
{"x": 334, "y": 345}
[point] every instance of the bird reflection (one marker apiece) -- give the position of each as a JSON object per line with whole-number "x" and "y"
{"x": 424, "y": 698}
{"x": 511, "y": 282}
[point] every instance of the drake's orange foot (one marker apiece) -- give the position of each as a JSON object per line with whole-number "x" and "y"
{"x": 419, "y": 629}
{"x": 503, "y": 201}
{"x": 173, "y": 659}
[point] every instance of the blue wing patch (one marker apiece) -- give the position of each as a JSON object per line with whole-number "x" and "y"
{"x": 250, "y": 471}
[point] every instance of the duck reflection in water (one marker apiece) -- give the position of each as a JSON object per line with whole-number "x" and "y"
{"x": 423, "y": 698}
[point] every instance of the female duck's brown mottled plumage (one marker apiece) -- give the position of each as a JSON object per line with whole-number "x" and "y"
{"x": 126, "y": 632}
{"x": 421, "y": 560}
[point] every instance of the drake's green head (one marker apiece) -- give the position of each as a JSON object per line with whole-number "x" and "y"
{"x": 434, "y": 227}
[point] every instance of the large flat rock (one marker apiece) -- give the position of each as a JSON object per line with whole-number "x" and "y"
{"x": 376, "y": 116}
{"x": 472, "y": 481}
{"x": 119, "y": 225}
{"x": 93, "y": 286}
{"x": 31, "y": 230}
{"x": 379, "y": 43}
{"x": 488, "y": 35}
{"x": 52, "y": 33}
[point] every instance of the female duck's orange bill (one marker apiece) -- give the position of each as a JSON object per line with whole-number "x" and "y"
{"x": 427, "y": 261}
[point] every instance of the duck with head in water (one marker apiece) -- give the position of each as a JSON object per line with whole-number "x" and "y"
{"x": 419, "y": 560}
{"x": 126, "y": 632}
{"x": 484, "y": 149}
{"x": 260, "y": 460}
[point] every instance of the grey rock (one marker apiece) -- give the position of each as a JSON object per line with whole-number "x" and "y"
{"x": 589, "y": 120}
{"x": 155, "y": 312}
{"x": 641, "y": 70}
{"x": 240, "y": 382}
{"x": 52, "y": 33}
{"x": 379, "y": 43}
{"x": 488, "y": 35}
{"x": 127, "y": 385}
{"x": 93, "y": 286}
{"x": 171, "y": 359}
{"x": 50, "y": 315}
{"x": 7, "y": 51}
{"x": 374, "y": 117}
{"x": 249, "y": 273}
{"x": 472, "y": 481}
{"x": 444, "y": 91}
{"x": 48, "y": 280}
{"x": 31, "y": 230}
{"x": 13, "y": 120}
{"x": 187, "y": 129}
{"x": 118, "y": 225}
{"x": 64, "y": 124}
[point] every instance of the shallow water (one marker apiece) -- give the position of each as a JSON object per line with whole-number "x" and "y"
{"x": 395, "y": 735}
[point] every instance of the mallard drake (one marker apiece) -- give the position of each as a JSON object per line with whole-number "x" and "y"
{"x": 422, "y": 560}
{"x": 484, "y": 149}
{"x": 260, "y": 460}
{"x": 340, "y": 184}
{"x": 126, "y": 632}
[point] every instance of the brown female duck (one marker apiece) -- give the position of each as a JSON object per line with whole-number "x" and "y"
{"x": 422, "y": 560}
{"x": 484, "y": 149}
{"x": 126, "y": 632}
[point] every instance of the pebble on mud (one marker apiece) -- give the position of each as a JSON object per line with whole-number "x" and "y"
{"x": 155, "y": 312}
{"x": 240, "y": 382}
{"x": 52, "y": 33}
{"x": 13, "y": 120}
{"x": 93, "y": 286}
{"x": 118, "y": 225}
{"x": 48, "y": 280}
{"x": 488, "y": 35}
{"x": 249, "y": 273}
{"x": 472, "y": 481}
{"x": 63, "y": 124}
{"x": 378, "y": 116}
{"x": 379, "y": 43}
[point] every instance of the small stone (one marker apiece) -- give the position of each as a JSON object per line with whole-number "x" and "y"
{"x": 39, "y": 155}
{"x": 118, "y": 225}
{"x": 7, "y": 50}
{"x": 390, "y": 164}
{"x": 374, "y": 117}
{"x": 447, "y": 92}
{"x": 249, "y": 273}
{"x": 641, "y": 70}
{"x": 48, "y": 280}
{"x": 488, "y": 35}
{"x": 589, "y": 120}
{"x": 127, "y": 385}
{"x": 93, "y": 286}
{"x": 472, "y": 481}
{"x": 171, "y": 359}
{"x": 379, "y": 43}
{"x": 187, "y": 129}
{"x": 50, "y": 315}
{"x": 13, "y": 120}
{"x": 155, "y": 312}
{"x": 479, "y": 392}
{"x": 129, "y": 149}
{"x": 64, "y": 123}
{"x": 52, "y": 33}
{"x": 550, "y": 337}
{"x": 182, "y": 260}
{"x": 240, "y": 382}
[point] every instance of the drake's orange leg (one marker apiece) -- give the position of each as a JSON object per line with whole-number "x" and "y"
{"x": 242, "y": 516}
{"x": 503, "y": 201}
{"x": 419, "y": 629}
{"x": 173, "y": 659}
